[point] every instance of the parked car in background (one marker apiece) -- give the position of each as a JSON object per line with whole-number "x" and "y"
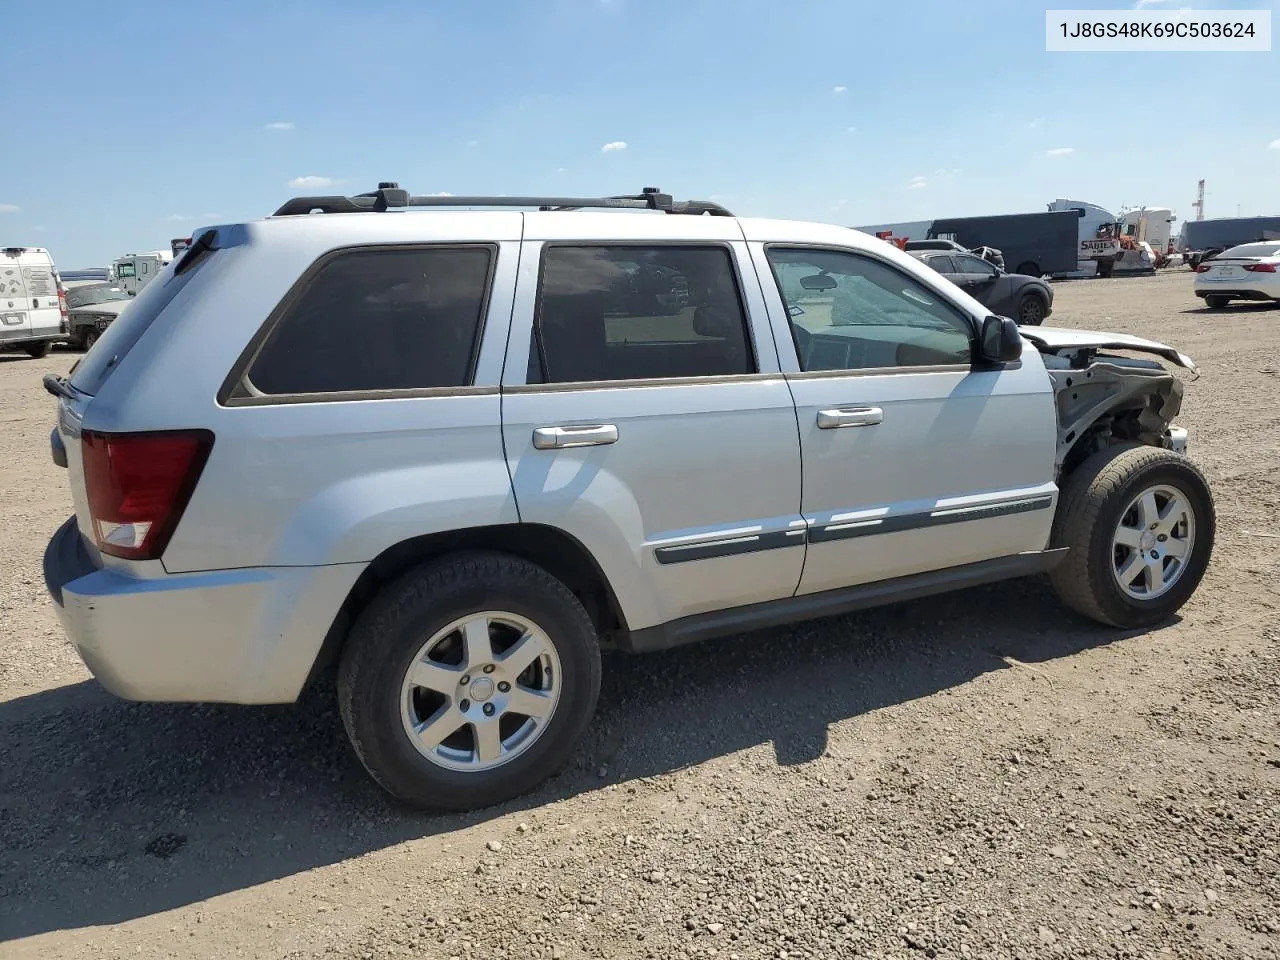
{"x": 990, "y": 254}
{"x": 1250, "y": 271}
{"x": 90, "y": 310}
{"x": 33, "y": 313}
{"x": 1028, "y": 300}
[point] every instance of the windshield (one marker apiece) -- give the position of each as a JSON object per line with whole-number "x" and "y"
{"x": 95, "y": 293}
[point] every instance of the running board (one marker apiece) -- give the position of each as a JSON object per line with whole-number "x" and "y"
{"x": 830, "y": 603}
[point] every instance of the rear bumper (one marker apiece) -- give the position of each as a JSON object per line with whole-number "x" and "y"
{"x": 230, "y": 636}
{"x": 1236, "y": 293}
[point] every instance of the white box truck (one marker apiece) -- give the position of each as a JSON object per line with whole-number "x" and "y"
{"x": 134, "y": 271}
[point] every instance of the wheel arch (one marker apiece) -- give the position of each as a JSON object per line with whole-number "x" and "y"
{"x": 1114, "y": 400}
{"x": 556, "y": 551}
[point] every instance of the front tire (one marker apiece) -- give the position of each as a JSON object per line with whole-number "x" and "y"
{"x": 468, "y": 681}
{"x": 38, "y": 350}
{"x": 1216, "y": 303}
{"x": 1138, "y": 522}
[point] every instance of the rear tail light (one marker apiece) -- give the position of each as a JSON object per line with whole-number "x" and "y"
{"x": 1261, "y": 267}
{"x": 62, "y": 302}
{"x": 1202, "y": 268}
{"x": 138, "y": 485}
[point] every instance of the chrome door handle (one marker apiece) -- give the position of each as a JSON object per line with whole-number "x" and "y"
{"x": 589, "y": 435}
{"x": 849, "y": 417}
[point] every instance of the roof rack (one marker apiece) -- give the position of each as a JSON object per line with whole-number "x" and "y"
{"x": 389, "y": 196}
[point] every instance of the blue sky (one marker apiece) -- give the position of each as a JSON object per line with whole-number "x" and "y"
{"x": 146, "y": 120}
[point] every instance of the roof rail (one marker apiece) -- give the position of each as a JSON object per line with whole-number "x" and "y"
{"x": 389, "y": 196}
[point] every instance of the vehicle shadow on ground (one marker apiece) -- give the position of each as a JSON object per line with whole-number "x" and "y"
{"x": 111, "y": 811}
{"x": 1247, "y": 306}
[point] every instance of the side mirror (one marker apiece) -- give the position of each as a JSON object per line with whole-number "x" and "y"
{"x": 1001, "y": 340}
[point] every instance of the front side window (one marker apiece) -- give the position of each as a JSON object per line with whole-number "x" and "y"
{"x": 125, "y": 270}
{"x": 609, "y": 313}
{"x": 852, "y": 312}
{"x": 380, "y": 319}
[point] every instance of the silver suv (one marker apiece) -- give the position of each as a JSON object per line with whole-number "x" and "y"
{"x": 457, "y": 452}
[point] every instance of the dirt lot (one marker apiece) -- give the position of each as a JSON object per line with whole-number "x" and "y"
{"x": 980, "y": 775}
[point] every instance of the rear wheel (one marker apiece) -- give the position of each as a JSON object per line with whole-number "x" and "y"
{"x": 469, "y": 681}
{"x": 1106, "y": 268}
{"x": 89, "y": 338}
{"x": 1028, "y": 269}
{"x": 38, "y": 350}
{"x": 1031, "y": 310}
{"x": 1138, "y": 523}
{"x": 1216, "y": 303}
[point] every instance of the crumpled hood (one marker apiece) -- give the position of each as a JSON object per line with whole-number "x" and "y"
{"x": 1056, "y": 339}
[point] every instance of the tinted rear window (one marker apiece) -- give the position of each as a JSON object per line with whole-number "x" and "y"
{"x": 385, "y": 319}
{"x": 629, "y": 312}
{"x": 125, "y": 331}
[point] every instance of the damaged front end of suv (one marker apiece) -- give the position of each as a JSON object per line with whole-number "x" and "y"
{"x": 1103, "y": 398}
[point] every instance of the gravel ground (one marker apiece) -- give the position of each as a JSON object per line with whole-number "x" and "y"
{"x": 979, "y": 775}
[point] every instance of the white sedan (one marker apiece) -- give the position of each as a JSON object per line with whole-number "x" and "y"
{"x": 1250, "y": 271}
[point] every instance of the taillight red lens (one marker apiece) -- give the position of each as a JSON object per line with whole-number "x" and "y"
{"x": 1261, "y": 267}
{"x": 138, "y": 485}
{"x": 1202, "y": 268}
{"x": 62, "y": 302}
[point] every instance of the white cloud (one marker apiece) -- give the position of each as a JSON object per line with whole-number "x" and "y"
{"x": 9, "y": 208}
{"x": 918, "y": 183}
{"x": 839, "y": 88}
{"x": 311, "y": 183}
{"x": 561, "y": 169}
{"x": 210, "y": 216}
{"x": 473, "y": 143}
{"x": 614, "y": 146}
{"x": 1059, "y": 151}
{"x": 852, "y": 129}
{"x": 442, "y": 193}
{"x": 1140, "y": 4}
{"x": 1035, "y": 123}
{"x": 176, "y": 218}
{"x": 280, "y": 125}
{"x": 1274, "y": 145}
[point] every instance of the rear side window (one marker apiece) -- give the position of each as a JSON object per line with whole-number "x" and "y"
{"x": 610, "y": 313}
{"x": 379, "y": 319}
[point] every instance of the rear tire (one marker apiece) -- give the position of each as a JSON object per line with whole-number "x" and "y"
{"x": 37, "y": 350}
{"x": 1028, "y": 269}
{"x": 396, "y": 635}
{"x": 1216, "y": 303}
{"x": 1106, "y": 268}
{"x": 1101, "y": 504}
{"x": 89, "y": 338}
{"x": 1031, "y": 310}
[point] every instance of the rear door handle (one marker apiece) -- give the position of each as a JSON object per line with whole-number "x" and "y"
{"x": 838, "y": 417}
{"x": 589, "y": 435}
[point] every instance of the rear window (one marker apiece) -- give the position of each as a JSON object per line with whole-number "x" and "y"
{"x": 379, "y": 319}
{"x": 1251, "y": 250}
{"x": 127, "y": 329}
